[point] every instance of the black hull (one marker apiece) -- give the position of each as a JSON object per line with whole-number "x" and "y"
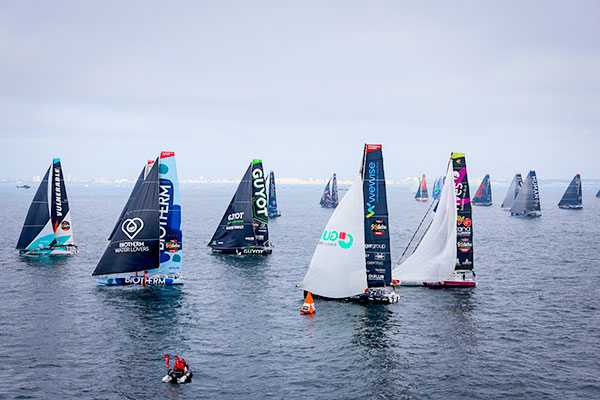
{"x": 482, "y": 204}
{"x": 244, "y": 251}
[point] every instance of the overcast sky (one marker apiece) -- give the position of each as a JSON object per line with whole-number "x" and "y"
{"x": 106, "y": 85}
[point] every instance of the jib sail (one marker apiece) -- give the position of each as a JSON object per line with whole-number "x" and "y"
{"x": 513, "y": 190}
{"x": 33, "y": 234}
{"x": 135, "y": 245}
{"x": 330, "y": 194}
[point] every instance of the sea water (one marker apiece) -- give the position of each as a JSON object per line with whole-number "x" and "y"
{"x": 531, "y": 328}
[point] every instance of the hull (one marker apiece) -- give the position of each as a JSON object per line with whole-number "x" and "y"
{"x": 450, "y": 284}
{"x": 259, "y": 251}
{"x": 328, "y": 206}
{"x": 421, "y": 199}
{"x": 139, "y": 280}
{"x": 482, "y": 204}
{"x": 372, "y": 296}
{"x": 275, "y": 214}
{"x": 531, "y": 214}
{"x": 572, "y": 207}
{"x": 459, "y": 279}
{"x": 60, "y": 251}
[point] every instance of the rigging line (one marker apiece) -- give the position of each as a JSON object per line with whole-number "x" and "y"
{"x": 415, "y": 234}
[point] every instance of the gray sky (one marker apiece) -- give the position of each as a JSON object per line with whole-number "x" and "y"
{"x": 302, "y": 84}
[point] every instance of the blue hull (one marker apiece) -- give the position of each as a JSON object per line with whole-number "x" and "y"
{"x": 139, "y": 280}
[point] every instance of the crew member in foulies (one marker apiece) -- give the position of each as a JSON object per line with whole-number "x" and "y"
{"x": 180, "y": 373}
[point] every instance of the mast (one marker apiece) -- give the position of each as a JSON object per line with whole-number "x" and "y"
{"x": 135, "y": 245}
{"x": 377, "y": 236}
{"x": 464, "y": 218}
{"x": 572, "y": 198}
{"x": 33, "y": 234}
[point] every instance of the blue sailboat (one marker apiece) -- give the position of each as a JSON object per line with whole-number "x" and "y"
{"x": 598, "y": 194}
{"x": 527, "y": 202}
{"x": 483, "y": 196}
{"x": 244, "y": 228}
{"x": 147, "y": 237}
{"x": 572, "y": 199}
{"x": 330, "y": 194}
{"x": 272, "y": 207}
{"x": 48, "y": 232}
{"x": 437, "y": 188}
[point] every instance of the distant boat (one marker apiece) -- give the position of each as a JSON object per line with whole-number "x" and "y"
{"x": 444, "y": 257}
{"x": 513, "y": 190}
{"x": 23, "y": 187}
{"x": 572, "y": 197}
{"x": 272, "y": 207}
{"x": 48, "y": 232}
{"x": 437, "y": 188}
{"x": 244, "y": 229}
{"x": 422, "y": 191}
{"x": 483, "y": 197}
{"x": 148, "y": 234}
{"x": 330, "y": 194}
{"x": 598, "y": 194}
{"x": 352, "y": 260}
{"x": 527, "y": 202}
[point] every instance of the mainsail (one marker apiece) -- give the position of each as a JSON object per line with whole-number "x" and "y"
{"x": 244, "y": 226}
{"x": 353, "y": 253}
{"x": 272, "y": 207}
{"x": 60, "y": 213}
{"x": 36, "y": 232}
{"x": 446, "y": 248}
{"x": 573, "y": 196}
{"x": 136, "y": 188}
{"x": 527, "y": 202}
{"x": 483, "y": 196}
{"x": 329, "y": 199}
{"x": 513, "y": 190}
{"x": 135, "y": 245}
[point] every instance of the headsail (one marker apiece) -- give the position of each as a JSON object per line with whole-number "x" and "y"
{"x": 573, "y": 195}
{"x": 435, "y": 257}
{"x": 135, "y": 245}
{"x": 483, "y": 196}
{"x": 527, "y": 202}
{"x": 337, "y": 268}
{"x": 377, "y": 236}
{"x": 36, "y": 230}
{"x": 513, "y": 190}
{"x": 61, "y": 215}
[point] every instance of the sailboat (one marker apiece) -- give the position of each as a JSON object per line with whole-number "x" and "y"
{"x": 330, "y": 194}
{"x": 272, "y": 207}
{"x": 444, "y": 257}
{"x": 527, "y": 202}
{"x": 572, "y": 197}
{"x": 147, "y": 236}
{"x": 244, "y": 228}
{"x": 513, "y": 190}
{"x": 598, "y": 194}
{"x": 422, "y": 191}
{"x": 483, "y": 196}
{"x": 352, "y": 260}
{"x": 437, "y": 188}
{"x": 48, "y": 232}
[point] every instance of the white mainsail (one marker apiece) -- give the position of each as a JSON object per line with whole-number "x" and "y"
{"x": 338, "y": 267}
{"x": 435, "y": 258}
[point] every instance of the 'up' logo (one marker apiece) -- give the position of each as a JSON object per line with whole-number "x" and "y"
{"x": 344, "y": 239}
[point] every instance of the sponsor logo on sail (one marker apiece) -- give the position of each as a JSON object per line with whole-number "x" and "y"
{"x": 65, "y": 225}
{"x": 132, "y": 247}
{"x": 375, "y": 246}
{"x": 343, "y": 239}
{"x": 373, "y": 194}
{"x": 139, "y": 280}
{"x": 164, "y": 200}
{"x": 236, "y": 218}
{"x": 132, "y": 227}
{"x": 260, "y": 196}
{"x": 464, "y": 245}
{"x": 378, "y": 227}
{"x": 173, "y": 246}
{"x": 379, "y": 256}
{"x": 57, "y": 195}
{"x": 463, "y": 221}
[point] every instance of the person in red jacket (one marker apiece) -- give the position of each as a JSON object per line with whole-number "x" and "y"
{"x": 180, "y": 373}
